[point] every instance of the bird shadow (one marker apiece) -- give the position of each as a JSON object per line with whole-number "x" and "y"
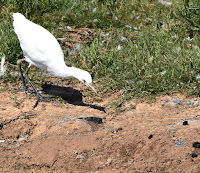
{"x": 68, "y": 94}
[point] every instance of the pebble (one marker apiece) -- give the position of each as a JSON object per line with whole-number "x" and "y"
{"x": 80, "y": 157}
{"x": 194, "y": 155}
{"x": 189, "y": 122}
{"x": 94, "y": 10}
{"x": 185, "y": 123}
{"x": 193, "y": 103}
{"x": 68, "y": 27}
{"x": 119, "y": 47}
{"x": 96, "y": 120}
{"x": 196, "y": 144}
{"x": 75, "y": 152}
{"x": 198, "y": 77}
{"x": 165, "y": 101}
{"x": 128, "y": 26}
{"x": 105, "y": 34}
{"x": 150, "y": 136}
{"x": 123, "y": 91}
{"x": 24, "y": 136}
{"x": 122, "y": 38}
{"x": 177, "y": 100}
{"x": 2, "y": 140}
{"x": 90, "y": 32}
{"x": 102, "y": 43}
{"x": 95, "y": 20}
{"x": 180, "y": 144}
{"x": 163, "y": 73}
{"x": 165, "y": 2}
{"x": 44, "y": 134}
{"x": 109, "y": 161}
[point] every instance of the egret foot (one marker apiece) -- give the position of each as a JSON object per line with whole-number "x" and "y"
{"x": 42, "y": 98}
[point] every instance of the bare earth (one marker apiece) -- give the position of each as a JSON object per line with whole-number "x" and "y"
{"x": 150, "y": 138}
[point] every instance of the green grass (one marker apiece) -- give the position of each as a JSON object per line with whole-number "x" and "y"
{"x": 155, "y": 58}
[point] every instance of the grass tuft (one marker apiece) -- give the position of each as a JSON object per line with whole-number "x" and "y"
{"x": 140, "y": 48}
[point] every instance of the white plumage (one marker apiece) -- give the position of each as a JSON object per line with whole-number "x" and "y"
{"x": 42, "y": 50}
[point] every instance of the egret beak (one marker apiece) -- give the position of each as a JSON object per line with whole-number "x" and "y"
{"x": 89, "y": 85}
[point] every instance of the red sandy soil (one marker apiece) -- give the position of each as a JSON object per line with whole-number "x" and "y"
{"x": 49, "y": 138}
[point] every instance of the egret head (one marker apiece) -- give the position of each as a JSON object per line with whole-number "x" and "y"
{"x": 85, "y": 78}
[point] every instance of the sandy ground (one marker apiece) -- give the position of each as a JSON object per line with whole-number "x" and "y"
{"x": 156, "y": 137}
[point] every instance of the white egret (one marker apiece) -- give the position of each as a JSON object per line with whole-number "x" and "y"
{"x": 41, "y": 49}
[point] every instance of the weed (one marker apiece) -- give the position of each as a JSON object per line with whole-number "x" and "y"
{"x": 142, "y": 48}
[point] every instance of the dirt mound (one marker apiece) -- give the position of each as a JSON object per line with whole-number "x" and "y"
{"x": 155, "y": 137}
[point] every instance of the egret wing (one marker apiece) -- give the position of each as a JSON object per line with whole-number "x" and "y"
{"x": 37, "y": 43}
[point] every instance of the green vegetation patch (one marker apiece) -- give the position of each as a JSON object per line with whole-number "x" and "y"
{"x": 140, "y": 48}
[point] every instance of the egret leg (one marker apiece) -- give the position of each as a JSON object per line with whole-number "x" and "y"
{"x": 34, "y": 91}
{"x": 22, "y": 76}
{"x": 40, "y": 97}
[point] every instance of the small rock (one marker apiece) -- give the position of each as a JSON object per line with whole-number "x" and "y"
{"x": 198, "y": 77}
{"x": 123, "y": 91}
{"x": 122, "y": 38}
{"x": 173, "y": 130}
{"x": 82, "y": 38}
{"x": 95, "y": 20}
{"x": 2, "y": 140}
{"x": 180, "y": 144}
{"x": 119, "y": 47}
{"x": 177, "y": 100}
{"x": 150, "y": 136}
{"x": 185, "y": 123}
{"x": 94, "y": 10}
{"x": 193, "y": 103}
{"x": 96, "y": 120}
{"x": 163, "y": 73}
{"x": 68, "y": 27}
{"x": 102, "y": 43}
{"x": 128, "y": 26}
{"x": 189, "y": 39}
{"x": 165, "y": 2}
{"x": 24, "y": 136}
{"x": 194, "y": 155}
{"x": 75, "y": 152}
{"x": 80, "y": 157}
{"x": 118, "y": 129}
{"x": 109, "y": 161}
{"x": 44, "y": 134}
{"x": 196, "y": 144}
{"x": 105, "y": 34}
{"x": 90, "y": 32}
{"x": 165, "y": 101}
